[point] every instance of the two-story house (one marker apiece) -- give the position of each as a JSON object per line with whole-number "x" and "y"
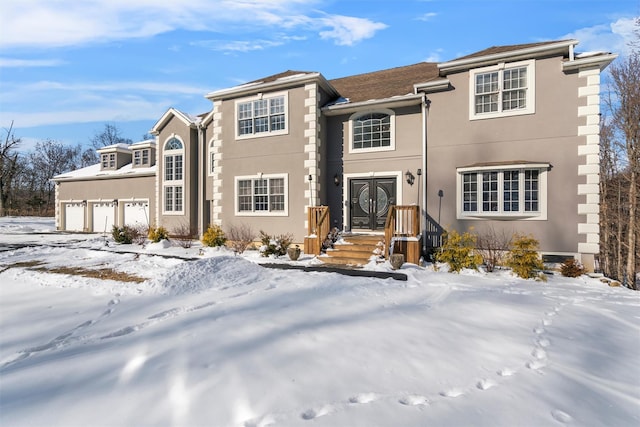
{"x": 506, "y": 138}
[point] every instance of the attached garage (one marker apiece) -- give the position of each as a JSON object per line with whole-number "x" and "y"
{"x": 104, "y": 215}
{"x": 74, "y": 216}
{"x": 136, "y": 213}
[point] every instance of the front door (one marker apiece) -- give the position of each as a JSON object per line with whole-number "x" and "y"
{"x": 370, "y": 199}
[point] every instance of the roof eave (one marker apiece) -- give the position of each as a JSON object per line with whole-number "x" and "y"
{"x": 432, "y": 86}
{"x": 248, "y": 89}
{"x": 514, "y": 55}
{"x": 602, "y": 61}
{"x": 398, "y": 101}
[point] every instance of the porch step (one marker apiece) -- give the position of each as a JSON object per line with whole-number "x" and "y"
{"x": 354, "y": 250}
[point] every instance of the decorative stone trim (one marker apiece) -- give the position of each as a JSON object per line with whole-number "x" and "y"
{"x": 589, "y": 160}
{"x": 311, "y": 148}
{"x": 216, "y": 208}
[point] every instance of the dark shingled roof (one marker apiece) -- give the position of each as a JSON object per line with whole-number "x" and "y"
{"x": 275, "y": 77}
{"x": 502, "y": 49}
{"x": 386, "y": 83}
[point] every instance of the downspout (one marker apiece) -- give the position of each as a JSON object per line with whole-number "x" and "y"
{"x": 201, "y": 159}
{"x": 423, "y": 216}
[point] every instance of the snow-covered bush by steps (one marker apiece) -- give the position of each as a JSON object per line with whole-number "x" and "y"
{"x": 158, "y": 233}
{"x": 572, "y": 268}
{"x": 214, "y": 236}
{"x": 274, "y": 245}
{"x": 523, "y": 257}
{"x": 457, "y": 250}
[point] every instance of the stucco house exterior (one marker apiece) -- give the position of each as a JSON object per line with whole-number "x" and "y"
{"x": 506, "y": 138}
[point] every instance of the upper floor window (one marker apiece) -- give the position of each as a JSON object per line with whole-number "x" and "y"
{"x": 261, "y": 116}
{"x": 502, "y": 90}
{"x": 508, "y": 191}
{"x": 372, "y": 131}
{"x": 173, "y": 176}
{"x": 108, "y": 160}
{"x": 141, "y": 157}
{"x": 262, "y": 195}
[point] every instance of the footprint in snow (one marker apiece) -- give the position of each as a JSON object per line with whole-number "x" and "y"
{"x": 485, "y": 384}
{"x": 506, "y": 372}
{"x": 310, "y": 414}
{"x": 547, "y": 322}
{"x": 543, "y": 342}
{"x": 536, "y": 364}
{"x": 539, "y": 353}
{"x": 414, "y": 400}
{"x": 561, "y": 416}
{"x": 363, "y": 398}
{"x": 539, "y": 330}
{"x": 454, "y": 392}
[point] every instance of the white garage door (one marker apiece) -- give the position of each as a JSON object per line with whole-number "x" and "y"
{"x": 103, "y": 217}
{"x": 136, "y": 213}
{"x": 74, "y": 217}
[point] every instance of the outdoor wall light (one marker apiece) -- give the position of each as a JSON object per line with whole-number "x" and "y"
{"x": 410, "y": 178}
{"x": 336, "y": 180}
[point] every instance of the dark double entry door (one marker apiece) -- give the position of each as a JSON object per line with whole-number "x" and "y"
{"x": 370, "y": 199}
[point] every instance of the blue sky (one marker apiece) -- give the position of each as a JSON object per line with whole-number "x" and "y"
{"x": 69, "y": 67}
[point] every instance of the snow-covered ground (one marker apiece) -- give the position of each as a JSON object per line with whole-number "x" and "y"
{"x": 222, "y": 341}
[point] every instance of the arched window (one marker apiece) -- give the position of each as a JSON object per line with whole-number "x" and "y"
{"x": 372, "y": 131}
{"x": 173, "y": 176}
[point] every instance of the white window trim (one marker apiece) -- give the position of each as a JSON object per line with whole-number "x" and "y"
{"x": 541, "y": 215}
{"x": 392, "y": 130}
{"x": 173, "y": 183}
{"x": 261, "y": 96}
{"x": 285, "y": 212}
{"x": 531, "y": 90}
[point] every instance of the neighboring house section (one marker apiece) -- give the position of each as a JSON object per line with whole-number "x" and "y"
{"x": 505, "y": 139}
{"x": 113, "y": 192}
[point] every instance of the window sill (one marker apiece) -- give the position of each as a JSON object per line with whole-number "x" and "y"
{"x": 534, "y": 216}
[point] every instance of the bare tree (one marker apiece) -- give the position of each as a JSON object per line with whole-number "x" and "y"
{"x": 110, "y": 135}
{"x": 49, "y": 159}
{"x": 625, "y": 114}
{"x": 8, "y": 166}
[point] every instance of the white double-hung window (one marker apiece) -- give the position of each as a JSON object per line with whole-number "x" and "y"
{"x": 262, "y": 195}
{"x": 509, "y": 191}
{"x": 263, "y": 115}
{"x": 502, "y": 90}
{"x": 173, "y": 183}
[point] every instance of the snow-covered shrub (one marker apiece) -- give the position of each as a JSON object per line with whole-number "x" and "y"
{"x": 124, "y": 234}
{"x": 140, "y": 233}
{"x": 572, "y": 268}
{"x": 240, "y": 237}
{"x": 274, "y": 245}
{"x": 214, "y": 236}
{"x": 523, "y": 257}
{"x": 457, "y": 250}
{"x": 158, "y": 233}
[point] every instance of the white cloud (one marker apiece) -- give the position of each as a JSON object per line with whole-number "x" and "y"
{"x": 58, "y": 23}
{"x": 611, "y": 37}
{"x": 29, "y": 63}
{"x": 347, "y": 30}
{"x": 427, "y": 16}
{"x": 63, "y": 103}
{"x": 434, "y": 56}
{"x": 236, "y": 45}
